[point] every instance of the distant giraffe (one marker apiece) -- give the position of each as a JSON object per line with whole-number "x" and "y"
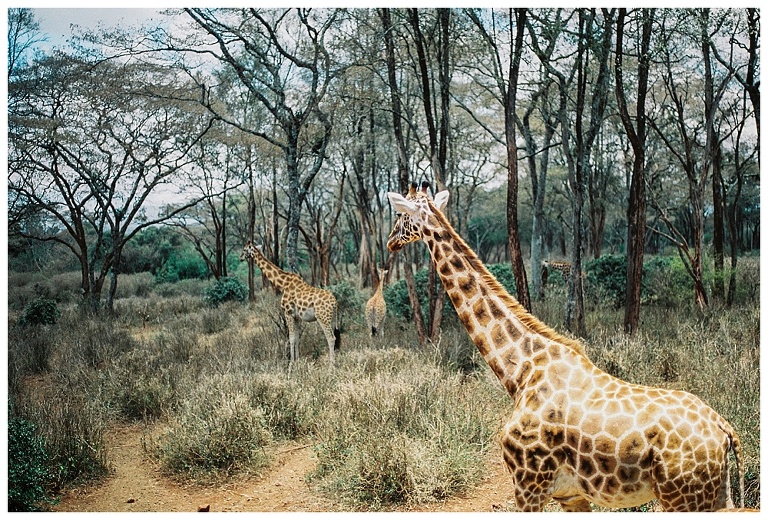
{"x": 577, "y": 434}
{"x": 564, "y": 268}
{"x": 376, "y": 307}
{"x": 300, "y": 302}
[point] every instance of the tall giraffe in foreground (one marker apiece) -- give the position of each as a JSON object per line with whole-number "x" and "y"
{"x": 300, "y": 302}
{"x": 376, "y": 307}
{"x": 577, "y": 434}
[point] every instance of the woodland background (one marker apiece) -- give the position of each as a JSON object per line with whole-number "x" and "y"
{"x": 141, "y": 159}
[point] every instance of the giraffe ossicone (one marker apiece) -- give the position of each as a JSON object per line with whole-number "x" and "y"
{"x": 300, "y": 302}
{"x": 577, "y": 434}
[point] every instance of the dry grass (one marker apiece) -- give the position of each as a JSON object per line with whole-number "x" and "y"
{"x": 392, "y": 423}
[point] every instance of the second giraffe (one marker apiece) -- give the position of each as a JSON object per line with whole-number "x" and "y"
{"x": 300, "y": 302}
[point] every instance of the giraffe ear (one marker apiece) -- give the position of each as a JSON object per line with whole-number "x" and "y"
{"x": 400, "y": 204}
{"x": 441, "y": 200}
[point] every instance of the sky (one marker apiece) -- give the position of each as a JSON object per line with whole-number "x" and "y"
{"x": 57, "y": 22}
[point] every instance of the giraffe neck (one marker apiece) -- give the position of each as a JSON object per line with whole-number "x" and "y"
{"x": 505, "y": 334}
{"x": 274, "y": 274}
{"x": 380, "y": 289}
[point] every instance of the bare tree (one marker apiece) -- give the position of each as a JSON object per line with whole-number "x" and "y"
{"x": 281, "y": 60}
{"x": 402, "y": 165}
{"x": 680, "y": 128}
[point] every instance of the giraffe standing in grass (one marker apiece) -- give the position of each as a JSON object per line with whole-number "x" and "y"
{"x": 376, "y": 307}
{"x": 300, "y": 302}
{"x": 577, "y": 434}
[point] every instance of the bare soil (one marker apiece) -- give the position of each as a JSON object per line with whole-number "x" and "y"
{"x": 137, "y": 485}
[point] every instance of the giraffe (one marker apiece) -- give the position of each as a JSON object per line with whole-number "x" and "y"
{"x": 376, "y": 307}
{"x": 300, "y": 302}
{"x": 577, "y": 434}
{"x": 563, "y": 267}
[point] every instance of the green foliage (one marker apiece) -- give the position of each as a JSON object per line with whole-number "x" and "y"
{"x": 505, "y": 276}
{"x": 182, "y": 266}
{"x": 664, "y": 280}
{"x": 28, "y": 467}
{"x": 42, "y": 311}
{"x": 226, "y": 289}
{"x": 396, "y": 295}
{"x": 150, "y": 249}
{"x": 351, "y": 301}
{"x": 607, "y": 278}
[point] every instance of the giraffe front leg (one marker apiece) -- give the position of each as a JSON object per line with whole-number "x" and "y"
{"x": 292, "y": 339}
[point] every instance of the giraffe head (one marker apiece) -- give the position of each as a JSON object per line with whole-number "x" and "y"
{"x": 249, "y": 251}
{"x": 414, "y": 213}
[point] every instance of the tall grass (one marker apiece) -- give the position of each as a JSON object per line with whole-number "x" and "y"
{"x": 392, "y": 424}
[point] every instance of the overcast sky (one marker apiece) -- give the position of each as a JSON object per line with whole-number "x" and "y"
{"x": 57, "y": 23}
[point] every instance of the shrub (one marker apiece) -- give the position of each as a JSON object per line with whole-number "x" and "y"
{"x": 42, "y": 311}
{"x": 403, "y": 434}
{"x": 30, "y": 350}
{"x": 217, "y": 433}
{"x": 98, "y": 341}
{"x": 607, "y": 278}
{"x": 351, "y": 301}
{"x": 28, "y": 467}
{"x": 224, "y": 290}
{"x": 182, "y": 267}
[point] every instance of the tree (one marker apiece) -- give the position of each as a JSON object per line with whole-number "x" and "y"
{"x": 402, "y": 164}
{"x": 89, "y": 145}
{"x": 438, "y": 136}
{"x": 280, "y": 58}
{"x": 217, "y": 173}
{"x": 506, "y": 94}
{"x": 23, "y": 35}
{"x": 680, "y": 127}
{"x": 637, "y": 136}
{"x": 576, "y": 141}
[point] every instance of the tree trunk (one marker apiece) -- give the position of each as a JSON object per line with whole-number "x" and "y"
{"x": 402, "y": 165}
{"x": 637, "y": 137}
{"x": 510, "y": 104}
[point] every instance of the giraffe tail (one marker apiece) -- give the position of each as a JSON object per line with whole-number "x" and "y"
{"x": 373, "y": 331}
{"x": 337, "y": 329}
{"x": 736, "y": 447}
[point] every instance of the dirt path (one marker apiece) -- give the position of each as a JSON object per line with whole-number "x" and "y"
{"x": 138, "y": 486}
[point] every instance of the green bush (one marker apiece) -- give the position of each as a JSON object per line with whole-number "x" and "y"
{"x": 28, "y": 467}
{"x": 351, "y": 301}
{"x": 607, "y": 278}
{"x": 42, "y": 311}
{"x": 182, "y": 267}
{"x": 226, "y": 289}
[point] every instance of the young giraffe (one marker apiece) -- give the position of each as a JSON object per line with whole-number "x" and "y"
{"x": 300, "y": 302}
{"x": 577, "y": 434}
{"x": 376, "y": 307}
